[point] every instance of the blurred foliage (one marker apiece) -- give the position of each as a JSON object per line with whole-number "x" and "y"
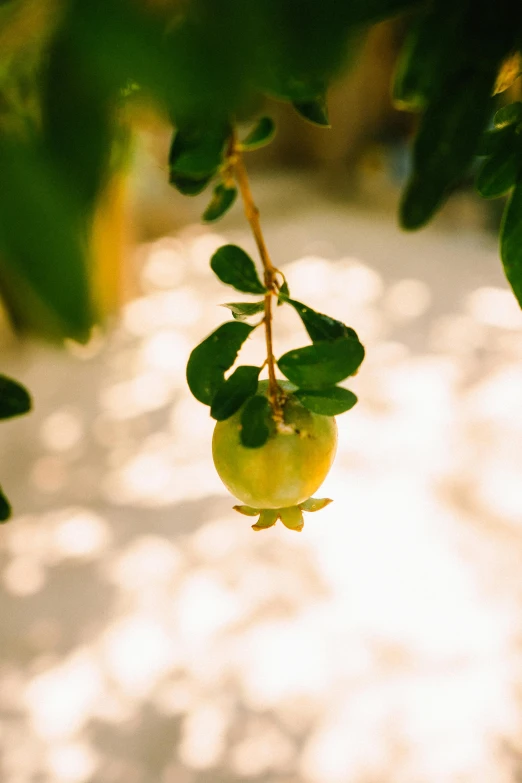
{"x": 70, "y": 70}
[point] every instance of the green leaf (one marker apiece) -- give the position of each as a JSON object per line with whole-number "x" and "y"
{"x": 319, "y": 326}
{"x": 511, "y": 242}
{"x": 222, "y": 200}
{"x": 445, "y": 144}
{"x": 499, "y": 173}
{"x": 323, "y": 363}
{"x": 42, "y": 245}
{"x": 243, "y": 310}
{"x": 284, "y": 293}
{"x": 267, "y": 518}
{"x": 241, "y": 385}
{"x": 431, "y": 50}
{"x": 493, "y": 142}
{"x": 315, "y": 112}
{"x": 5, "y": 508}
{"x": 261, "y": 135}
{"x": 198, "y": 150}
{"x": 328, "y": 402}
{"x": 315, "y": 504}
{"x": 255, "y": 421}
{"x": 210, "y": 360}
{"x": 508, "y": 115}
{"x": 14, "y": 398}
{"x": 292, "y": 518}
{"x": 234, "y": 267}
{"x": 77, "y": 119}
{"x": 188, "y": 186}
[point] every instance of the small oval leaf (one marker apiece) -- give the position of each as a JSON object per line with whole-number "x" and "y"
{"x": 511, "y": 242}
{"x": 255, "y": 421}
{"x": 499, "y": 173}
{"x": 210, "y": 360}
{"x": 187, "y": 186}
{"x": 231, "y": 395}
{"x": 508, "y": 115}
{"x": 261, "y": 135}
{"x": 5, "y": 508}
{"x": 234, "y": 267}
{"x": 315, "y": 112}
{"x": 322, "y": 364}
{"x": 328, "y": 402}
{"x": 222, "y": 200}
{"x": 319, "y": 326}
{"x": 243, "y": 310}
{"x": 14, "y": 398}
{"x": 198, "y": 150}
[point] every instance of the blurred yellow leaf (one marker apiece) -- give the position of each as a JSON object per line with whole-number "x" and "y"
{"x": 509, "y": 73}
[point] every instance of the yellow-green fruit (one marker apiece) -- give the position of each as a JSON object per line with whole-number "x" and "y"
{"x": 288, "y": 469}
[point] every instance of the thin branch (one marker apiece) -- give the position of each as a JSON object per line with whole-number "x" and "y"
{"x": 270, "y": 272}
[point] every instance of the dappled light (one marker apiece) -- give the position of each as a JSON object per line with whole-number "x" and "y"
{"x": 149, "y": 635}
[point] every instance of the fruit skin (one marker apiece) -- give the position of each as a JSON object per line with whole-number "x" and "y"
{"x": 290, "y": 466}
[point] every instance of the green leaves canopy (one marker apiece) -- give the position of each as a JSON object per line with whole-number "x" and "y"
{"x": 73, "y": 78}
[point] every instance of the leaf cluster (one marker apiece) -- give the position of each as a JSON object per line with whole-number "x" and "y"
{"x": 313, "y": 370}
{"x": 68, "y": 84}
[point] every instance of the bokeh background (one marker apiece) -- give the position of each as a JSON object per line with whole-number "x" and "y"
{"x": 147, "y": 635}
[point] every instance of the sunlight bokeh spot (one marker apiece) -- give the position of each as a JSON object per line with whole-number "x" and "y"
{"x": 49, "y": 474}
{"x": 494, "y": 307}
{"x": 206, "y": 606}
{"x": 146, "y": 392}
{"x": 72, "y": 762}
{"x": 62, "y": 430}
{"x": 149, "y": 561}
{"x": 81, "y": 533}
{"x": 137, "y": 652}
{"x": 23, "y": 576}
{"x": 165, "y": 266}
{"x": 166, "y": 351}
{"x": 62, "y": 699}
{"x": 203, "y": 737}
{"x": 407, "y": 299}
{"x": 265, "y": 749}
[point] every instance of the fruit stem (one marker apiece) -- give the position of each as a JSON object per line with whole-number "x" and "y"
{"x": 237, "y": 164}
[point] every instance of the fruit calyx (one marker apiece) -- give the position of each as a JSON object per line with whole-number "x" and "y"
{"x": 290, "y": 516}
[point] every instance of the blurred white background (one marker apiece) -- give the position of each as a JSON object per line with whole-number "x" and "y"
{"x": 149, "y": 636}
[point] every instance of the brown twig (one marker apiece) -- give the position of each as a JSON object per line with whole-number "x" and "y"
{"x": 270, "y": 272}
